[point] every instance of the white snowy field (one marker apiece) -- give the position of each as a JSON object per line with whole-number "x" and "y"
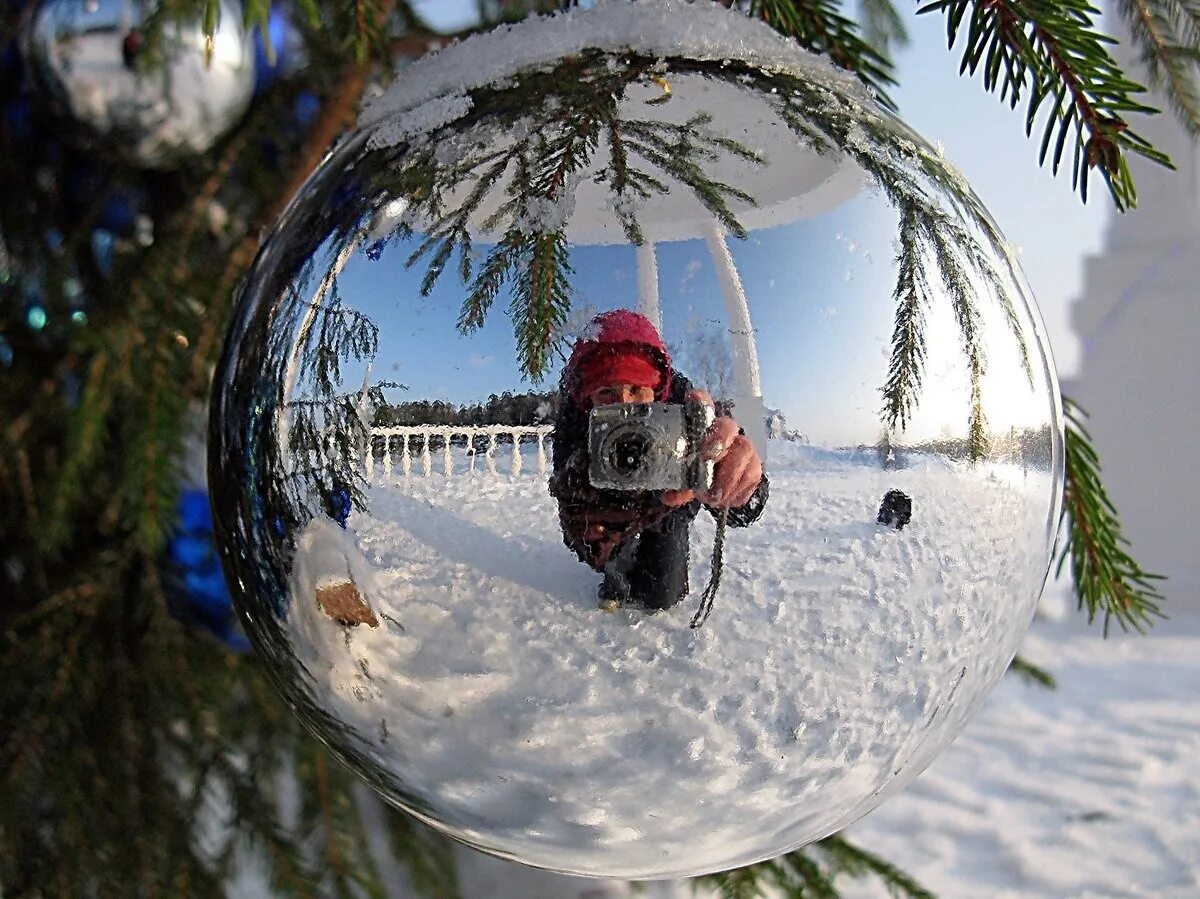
{"x": 840, "y": 657}
{"x": 1089, "y": 790}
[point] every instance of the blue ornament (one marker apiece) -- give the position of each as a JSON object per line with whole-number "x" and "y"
{"x": 306, "y": 107}
{"x": 340, "y": 505}
{"x": 287, "y": 48}
{"x": 119, "y": 214}
{"x": 85, "y": 183}
{"x": 201, "y": 597}
{"x": 103, "y": 250}
{"x": 190, "y": 551}
{"x": 195, "y": 514}
{"x": 18, "y": 118}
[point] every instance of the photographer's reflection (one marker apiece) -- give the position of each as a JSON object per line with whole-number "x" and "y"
{"x": 637, "y": 452}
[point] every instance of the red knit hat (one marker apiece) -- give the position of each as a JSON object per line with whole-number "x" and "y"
{"x": 624, "y": 364}
{"x": 618, "y": 347}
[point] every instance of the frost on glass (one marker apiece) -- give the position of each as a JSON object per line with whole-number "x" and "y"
{"x": 383, "y": 433}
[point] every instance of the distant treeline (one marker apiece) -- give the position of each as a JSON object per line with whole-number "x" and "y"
{"x": 1028, "y": 447}
{"x": 507, "y": 408}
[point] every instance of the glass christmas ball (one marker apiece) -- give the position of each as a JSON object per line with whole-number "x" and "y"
{"x": 148, "y": 89}
{"x": 482, "y": 599}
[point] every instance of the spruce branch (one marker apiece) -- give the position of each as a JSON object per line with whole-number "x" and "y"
{"x": 541, "y": 300}
{"x": 925, "y": 230}
{"x": 453, "y": 231}
{"x": 680, "y": 151}
{"x": 1167, "y": 36}
{"x": 848, "y": 858}
{"x": 88, "y": 429}
{"x": 811, "y": 872}
{"x": 567, "y": 116}
{"x": 819, "y": 26}
{"x": 961, "y": 293}
{"x": 806, "y": 878}
{"x": 1031, "y": 674}
{"x": 1108, "y": 581}
{"x": 739, "y": 883}
{"x": 882, "y": 25}
{"x": 503, "y": 260}
{"x": 911, "y": 295}
{"x": 427, "y": 856}
{"x": 1037, "y": 51}
{"x": 624, "y": 182}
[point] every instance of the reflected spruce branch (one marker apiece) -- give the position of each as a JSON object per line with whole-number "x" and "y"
{"x": 327, "y": 427}
{"x": 830, "y": 123}
{"x": 553, "y": 123}
{"x": 906, "y": 368}
{"x": 958, "y": 285}
{"x": 575, "y": 115}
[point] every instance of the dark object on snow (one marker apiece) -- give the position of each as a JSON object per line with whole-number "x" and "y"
{"x": 344, "y": 604}
{"x": 896, "y": 509}
{"x": 338, "y": 503}
{"x": 131, "y": 48}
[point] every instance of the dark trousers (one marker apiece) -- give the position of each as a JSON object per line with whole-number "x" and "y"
{"x": 651, "y": 569}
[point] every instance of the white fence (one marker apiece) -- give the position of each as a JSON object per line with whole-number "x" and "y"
{"x": 402, "y": 446}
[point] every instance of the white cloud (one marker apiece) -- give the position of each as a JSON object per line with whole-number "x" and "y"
{"x": 689, "y": 275}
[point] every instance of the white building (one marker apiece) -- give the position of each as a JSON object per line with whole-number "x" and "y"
{"x": 1139, "y": 322}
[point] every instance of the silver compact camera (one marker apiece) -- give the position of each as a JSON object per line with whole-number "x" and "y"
{"x": 649, "y": 446}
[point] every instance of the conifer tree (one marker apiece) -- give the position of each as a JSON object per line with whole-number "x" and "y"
{"x": 119, "y": 726}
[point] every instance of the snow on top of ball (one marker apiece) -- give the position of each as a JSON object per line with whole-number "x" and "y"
{"x": 704, "y": 31}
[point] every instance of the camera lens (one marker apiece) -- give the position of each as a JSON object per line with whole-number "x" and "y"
{"x": 627, "y": 453}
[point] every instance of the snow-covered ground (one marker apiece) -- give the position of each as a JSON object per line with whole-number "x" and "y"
{"x": 1090, "y": 790}
{"x": 841, "y": 656}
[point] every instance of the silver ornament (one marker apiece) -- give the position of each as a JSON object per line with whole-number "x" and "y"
{"x": 149, "y": 101}
{"x": 398, "y": 551}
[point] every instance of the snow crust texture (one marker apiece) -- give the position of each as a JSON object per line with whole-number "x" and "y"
{"x": 841, "y": 656}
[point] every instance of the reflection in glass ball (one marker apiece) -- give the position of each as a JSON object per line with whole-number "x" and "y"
{"x": 151, "y": 90}
{"x": 484, "y": 278}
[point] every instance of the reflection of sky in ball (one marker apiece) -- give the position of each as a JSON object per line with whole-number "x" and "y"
{"x": 1036, "y": 210}
{"x": 819, "y": 294}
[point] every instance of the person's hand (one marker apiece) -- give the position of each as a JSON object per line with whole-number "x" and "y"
{"x": 738, "y": 469}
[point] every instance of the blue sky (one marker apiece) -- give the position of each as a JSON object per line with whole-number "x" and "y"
{"x": 1038, "y": 213}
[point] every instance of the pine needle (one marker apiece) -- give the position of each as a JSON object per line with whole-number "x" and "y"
{"x": 1109, "y": 582}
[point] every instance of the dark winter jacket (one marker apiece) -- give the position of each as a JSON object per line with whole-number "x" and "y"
{"x": 622, "y": 513}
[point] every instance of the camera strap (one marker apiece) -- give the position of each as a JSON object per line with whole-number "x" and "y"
{"x": 714, "y": 578}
